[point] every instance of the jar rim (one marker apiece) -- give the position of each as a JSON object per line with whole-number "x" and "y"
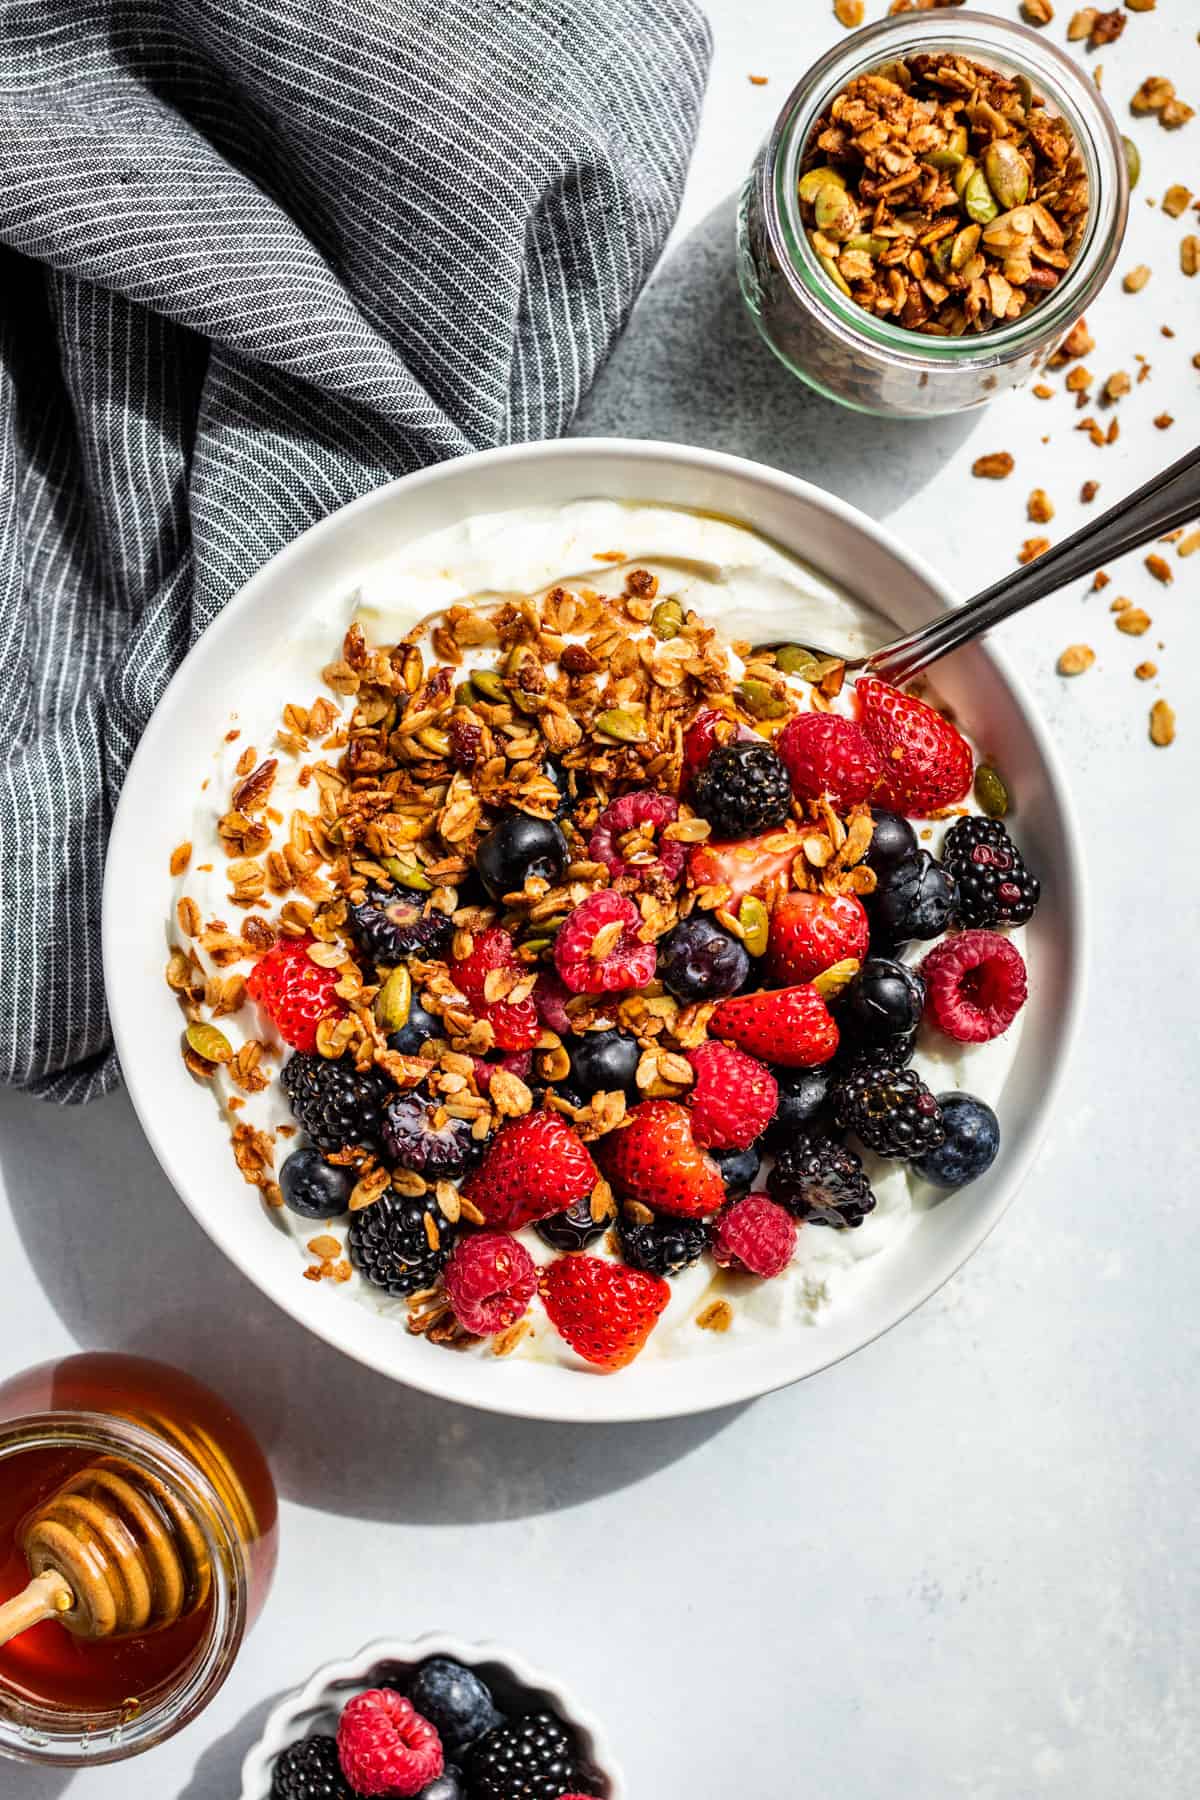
{"x": 981, "y": 36}
{"x": 60, "y": 1737}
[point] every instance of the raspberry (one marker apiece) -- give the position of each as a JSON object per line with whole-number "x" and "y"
{"x": 647, "y": 856}
{"x": 602, "y": 1309}
{"x": 655, "y": 1158}
{"x": 490, "y": 1281}
{"x": 927, "y": 763}
{"x": 385, "y": 1747}
{"x": 792, "y": 1026}
{"x": 513, "y": 1062}
{"x": 514, "y": 1023}
{"x": 811, "y": 932}
{"x": 624, "y": 962}
{"x": 826, "y": 754}
{"x": 733, "y": 1099}
{"x": 550, "y": 996}
{"x": 756, "y": 1236}
{"x": 706, "y": 731}
{"x": 534, "y": 1166}
{"x": 976, "y": 986}
{"x": 293, "y": 992}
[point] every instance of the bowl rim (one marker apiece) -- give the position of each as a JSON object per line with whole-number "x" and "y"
{"x": 291, "y": 1710}
{"x": 616, "y": 1401}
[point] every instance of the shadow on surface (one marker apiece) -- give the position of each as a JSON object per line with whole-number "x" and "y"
{"x": 36, "y": 1784}
{"x": 692, "y": 367}
{"x": 218, "y": 1772}
{"x": 126, "y": 1267}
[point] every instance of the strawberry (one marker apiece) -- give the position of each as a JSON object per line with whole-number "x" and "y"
{"x": 706, "y": 731}
{"x": 534, "y": 1166}
{"x": 602, "y": 1309}
{"x": 927, "y": 763}
{"x": 294, "y": 992}
{"x": 655, "y": 1159}
{"x": 515, "y": 1023}
{"x": 790, "y": 1026}
{"x": 733, "y": 1099}
{"x": 826, "y": 754}
{"x": 744, "y": 865}
{"x": 811, "y": 932}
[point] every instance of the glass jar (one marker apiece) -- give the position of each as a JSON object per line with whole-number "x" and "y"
{"x": 191, "y": 1463}
{"x": 867, "y": 362}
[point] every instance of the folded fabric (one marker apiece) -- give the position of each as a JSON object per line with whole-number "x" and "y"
{"x": 263, "y": 255}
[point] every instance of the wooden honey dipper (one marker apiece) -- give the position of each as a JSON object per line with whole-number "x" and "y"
{"x": 115, "y": 1553}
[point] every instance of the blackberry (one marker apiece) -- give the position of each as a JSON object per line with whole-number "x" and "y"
{"x": 310, "y": 1770}
{"x": 572, "y": 1229}
{"x": 389, "y": 1242}
{"x": 455, "y": 1701}
{"x": 534, "y": 1757}
{"x": 890, "y": 1110}
{"x": 916, "y": 900}
{"x": 665, "y": 1246}
{"x": 335, "y": 1103}
{"x": 994, "y": 886}
{"x": 390, "y": 927}
{"x": 743, "y": 789}
{"x": 818, "y": 1178}
{"x": 738, "y": 1169}
{"x": 411, "y": 1139}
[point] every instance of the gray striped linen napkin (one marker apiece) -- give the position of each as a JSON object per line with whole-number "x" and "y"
{"x": 263, "y": 255}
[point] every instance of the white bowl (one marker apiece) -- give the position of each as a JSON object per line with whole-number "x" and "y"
{"x": 517, "y": 1686}
{"x": 230, "y": 666}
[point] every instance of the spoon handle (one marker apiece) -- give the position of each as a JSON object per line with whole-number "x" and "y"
{"x": 1170, "y": 499}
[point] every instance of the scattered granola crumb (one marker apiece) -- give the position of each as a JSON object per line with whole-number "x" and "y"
{"x": 1075, "y": 659}
{"x": 1133, "y": 621}
{"x": 1136, "y": 279}
{"x": 1078, "y": 380}
{"x": 1117, "y": 385}
{"x": 716, "y": 1317}
{"x": 1177, "y": 199}
{"x": 1160, "y": 568}
{"x": 181, "y": 856}
{"x": 1119, "y": 604}
{"x": 1188, "y": 546}
{"x": 1037, "y": 12}
{"x": 848, "y": 13}
{"x": 758, "y": 80}
{"x": 1189, "y": 255}
{"x": 1164, "y": 421}
{"x": 994, "y": 467}
{"x": 1040, "y": 507}
{"x": 1033, "y": 547}
{"x": 1113, "y": 432}
{"x": 1080, "y": 24}
{"x": 1162, "y": 724}
{"x": 1106, "y": 27}
{"x": 1100, "y": 580}
{"x": 1088, "y": 491}
{"x": 1146, "y": 671}
{"x": 1166, "y": 331}
{"x": 1043, "y": 391}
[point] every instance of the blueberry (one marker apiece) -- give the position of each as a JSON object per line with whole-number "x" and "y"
{"x": 417, "y": 1028}
{"x": 553, "y": 770}
{"x": 803, "y": 1094}
{"x": 518, "y": 847}
{"x": 312, "y": 1187}
{"x": 411, "y": 1139}
{"x": 884, "y": 1001}
{"x": 915, "y": 901}
{"x": 455, "y": 1701}
{"x": 604, "y": 1061}
{"x": 699, "y": 961}
{"x": 738, "y": 1169}
{"x": 970, "y": 1146}
{"x": 893, "y": 842}
{"x": 448, "y": 1786}
{"x": 572, "y": 1229}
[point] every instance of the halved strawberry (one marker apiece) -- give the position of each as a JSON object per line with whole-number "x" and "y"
{"x": 655, "y": 1158}
{"x": 811, "y": 932}
{"x": 745, "y": 865}
{"x": 789, "y": 1026}
{"x": 534, "y": 1166}
{"x": 827, "y": 754}
{"x": 927, "y": 764}
{"x": 604, "y": 1310}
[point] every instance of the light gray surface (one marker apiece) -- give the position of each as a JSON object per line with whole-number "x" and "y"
{"x": 961, "y": 1565}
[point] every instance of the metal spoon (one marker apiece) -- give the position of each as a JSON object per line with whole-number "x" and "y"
{"x": 1165, "y": 502}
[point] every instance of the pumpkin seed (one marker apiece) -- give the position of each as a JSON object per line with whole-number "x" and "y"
{"x": 835, "y": 212}
{"x": 1133, "y": 160}
{"x": 834, "y": 273}
{"x": 433, "y": 738}
{"x": 1025, "y": 89}
{"x": 488, "y": 684}
{"x": 393, "y": 1002}
{"x": 625, "y": 723}
{"x": 963, "y": 174}
{"x": 754, "y": 921}
{"x": 965, "y": 244}
{"x": 991, "y": 792}
{"x": 979, "y": 200}
{"x": 795, "y": 659}
{"x": 666, "y": 621}
{"x": 944, "y": 158}
{"x": 897, "y": 72}
{"x": 811, "y": 184}
{"x": 1007, "y": 173}
{"x": 464, "y": 694}
{"x": 838, "y": 976}
{"x": 870, "y": 241}
{"x": 208, "y": 1042}
{"x": 408, "y": 874}
{"x": 760, "y": 701}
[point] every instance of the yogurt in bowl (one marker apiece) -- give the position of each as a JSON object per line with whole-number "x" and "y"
{"x": 251, "y": 662}
{"x": 510, "y": 684}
